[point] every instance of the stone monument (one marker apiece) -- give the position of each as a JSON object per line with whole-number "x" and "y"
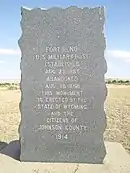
{"x": 62, "y": 85}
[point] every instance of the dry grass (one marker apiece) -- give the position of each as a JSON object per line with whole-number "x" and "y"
{"x": 9, "y": 114}
{"x": 118, "y": 115}
{"x": 117, "y": 109}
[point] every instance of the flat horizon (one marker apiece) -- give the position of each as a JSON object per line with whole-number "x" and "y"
{"x": 18, "y": 80}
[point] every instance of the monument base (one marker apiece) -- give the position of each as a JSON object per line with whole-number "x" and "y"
{"x": 117, "y": 160}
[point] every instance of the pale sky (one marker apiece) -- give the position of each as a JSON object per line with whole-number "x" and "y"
{"x": 117, "y": 32}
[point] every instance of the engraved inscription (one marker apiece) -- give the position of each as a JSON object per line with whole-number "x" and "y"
{"x": 54, "y": 95}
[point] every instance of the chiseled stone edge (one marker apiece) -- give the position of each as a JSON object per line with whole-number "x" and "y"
{"x": 60, "y": 8}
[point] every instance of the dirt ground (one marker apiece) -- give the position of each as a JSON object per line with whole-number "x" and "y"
{"x": 117, "y": 107}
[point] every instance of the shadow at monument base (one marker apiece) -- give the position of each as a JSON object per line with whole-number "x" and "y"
{"x": 64, "y": 162}
{"x": 12, "y": 150}
{"x": 3, "y": 145}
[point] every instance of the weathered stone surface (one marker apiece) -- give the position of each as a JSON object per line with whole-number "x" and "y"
{"x": 63, "y": 87}
{"x": 116, "y": 161}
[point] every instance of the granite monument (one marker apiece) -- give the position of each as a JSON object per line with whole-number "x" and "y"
{"x": 62, "y": 85}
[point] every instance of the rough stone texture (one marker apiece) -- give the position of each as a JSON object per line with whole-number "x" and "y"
{"x": 63, "y": 51}
{"x": 116, "y": 161}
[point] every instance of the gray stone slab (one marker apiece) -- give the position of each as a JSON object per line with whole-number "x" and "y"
{"x": 62, "y": 85}
{"x": 117, "y": 160}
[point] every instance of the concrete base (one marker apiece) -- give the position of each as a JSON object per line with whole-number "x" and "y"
{"x": 117, "y": 160}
